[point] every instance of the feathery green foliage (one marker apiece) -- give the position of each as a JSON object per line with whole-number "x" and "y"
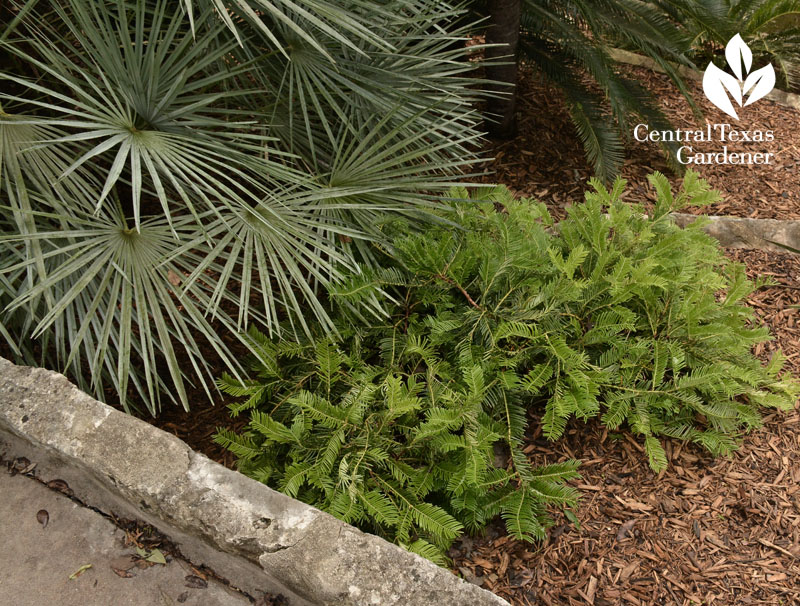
{"x": 616, "y": 315}
{"x": 173, "y": 172}
{"x": 494, "y": 316}
{"x": 381, "y": 432}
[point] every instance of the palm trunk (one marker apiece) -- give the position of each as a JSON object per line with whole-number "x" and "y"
{"x": 503, "y": 29}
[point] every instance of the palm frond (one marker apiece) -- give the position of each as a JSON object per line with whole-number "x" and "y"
{"x": 177, "y": 172}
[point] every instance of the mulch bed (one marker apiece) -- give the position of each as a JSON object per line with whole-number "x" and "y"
{"x": 774, "y": 305}
{"x": 723, "y": 531}
{"x": 546, "y": 160}
{"x": 706, "y": 531}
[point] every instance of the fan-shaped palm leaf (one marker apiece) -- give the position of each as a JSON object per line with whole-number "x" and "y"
{"x": 161, "y": 171}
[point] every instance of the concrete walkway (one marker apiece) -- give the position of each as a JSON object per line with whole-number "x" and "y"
{"x": 36, "y": 561}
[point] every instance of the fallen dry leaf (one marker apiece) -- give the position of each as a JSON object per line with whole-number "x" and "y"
{"x": 122, "y": 573}
{"x": 195, "y": 582}
{"x": 60, "y": 486}
{"x": 124, "y": 562}
{"x": 625, "y": 529}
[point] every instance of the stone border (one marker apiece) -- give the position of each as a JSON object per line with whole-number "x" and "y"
{"x": 622, "y": 56}
{"x": 740, "y": 232}
{"x": 256, "y": 538}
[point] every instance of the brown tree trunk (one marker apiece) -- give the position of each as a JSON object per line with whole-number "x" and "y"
{"x": 502, "y": 28}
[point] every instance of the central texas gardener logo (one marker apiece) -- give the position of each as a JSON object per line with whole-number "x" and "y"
{"x": 718, "y": 84}
{"x": 744, "y": 86}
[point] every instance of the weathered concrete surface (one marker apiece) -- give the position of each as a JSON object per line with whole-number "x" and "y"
{"x": 256, "y": 538}
{"x": 36, "y": 561}
{"x": 738, "y": 232}
{"x": 623, "y": 56}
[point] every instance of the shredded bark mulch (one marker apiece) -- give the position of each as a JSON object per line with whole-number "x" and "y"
{"x": 778, "y": 307}
{"x": 706, "y": 531}
{"x": 546, "y": 160}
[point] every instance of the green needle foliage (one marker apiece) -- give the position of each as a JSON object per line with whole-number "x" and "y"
{"x": 174, "y": 172}
{"x": 494, "y": 316}
{"x": 617, "y": 314}
{"x": 568, "y": 43}
{"x": 382, "y": 433}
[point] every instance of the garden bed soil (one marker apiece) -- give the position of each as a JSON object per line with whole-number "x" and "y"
{"x": 706, "y": 531}
{"x": 546, "y": 160}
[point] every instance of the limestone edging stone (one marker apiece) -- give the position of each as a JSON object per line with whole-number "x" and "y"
{"x": 257, "y": 538}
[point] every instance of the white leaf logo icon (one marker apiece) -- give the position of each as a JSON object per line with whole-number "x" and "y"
{"x": 715, "y": 81}
{"x": 720, "y": 86}
{"x": 762, "y": 81}
{"x": 738, "y": 54}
